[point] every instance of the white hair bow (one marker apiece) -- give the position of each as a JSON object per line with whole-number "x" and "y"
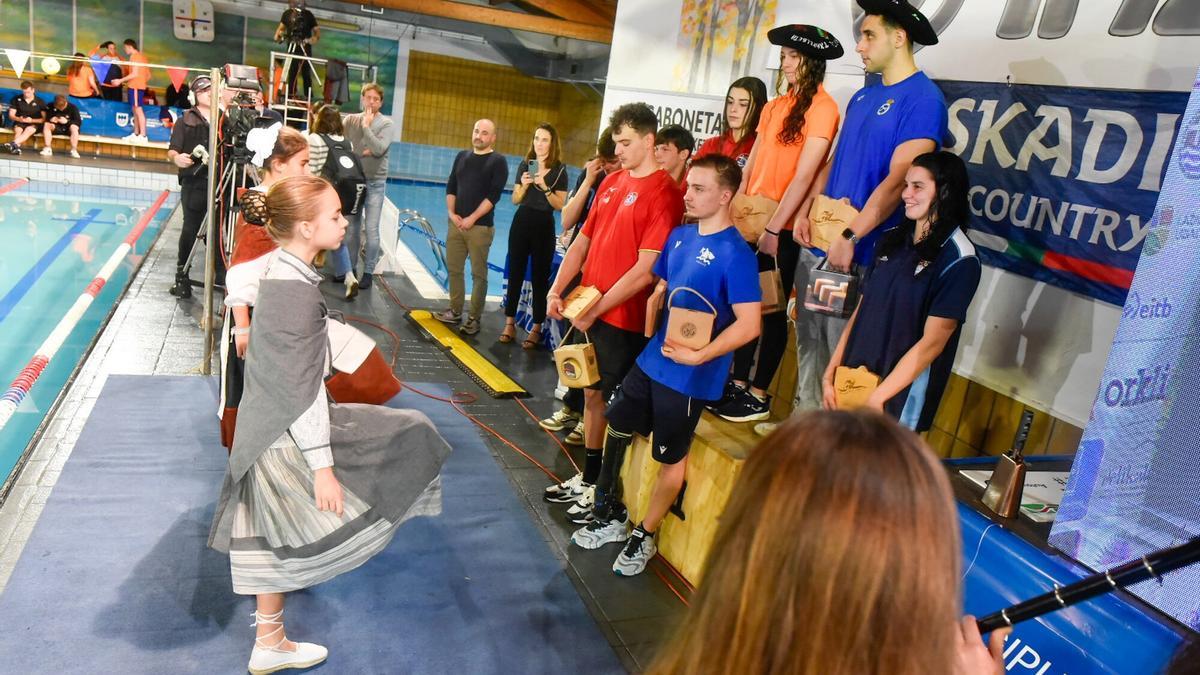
{"x": 262, "y": 143}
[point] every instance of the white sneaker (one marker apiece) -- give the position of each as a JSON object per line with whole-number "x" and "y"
{"x": 580, "y": 512}
{"x": 576, "y": 435}
{"x": 265, "y": 660}
{"x": 131, "y": 138}
{"x": 46, "y": 152}
{"x": 143, "y": 139}
{"x": 567, "y": 491}
{"x": 635, "y": 556}
{"x": 765, "y": 428}
{"x": 74, "y": 154}
{"x": 600, "y": 532}
{"x": 560, "y": 419}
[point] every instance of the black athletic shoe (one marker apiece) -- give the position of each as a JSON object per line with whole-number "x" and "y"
{"x": 182, "y": 288}
{"x": 364, "y": 282}
{"x": 731, "y": 393}
{"x": 745, "y": 408}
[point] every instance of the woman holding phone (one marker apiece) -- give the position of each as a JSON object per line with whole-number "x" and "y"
{"x": 541, "y": 190}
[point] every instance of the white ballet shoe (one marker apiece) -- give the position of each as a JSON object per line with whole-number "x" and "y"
{"x": 269, "y": 659}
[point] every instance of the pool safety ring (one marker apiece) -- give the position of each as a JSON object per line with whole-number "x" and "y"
{"x": 484, "y": 372}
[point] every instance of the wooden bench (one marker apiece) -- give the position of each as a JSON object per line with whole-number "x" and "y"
{"x": 97, "y": 146}
{"x": 714, "y": 463}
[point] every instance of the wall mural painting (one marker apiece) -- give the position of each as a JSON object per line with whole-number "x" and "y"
{"x": 721, "y": 40}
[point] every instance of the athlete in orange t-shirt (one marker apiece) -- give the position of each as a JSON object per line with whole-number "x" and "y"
{"x": 633, "y": 213}
{"x": 795, "y": 133}
{"x": 136, "y": 81}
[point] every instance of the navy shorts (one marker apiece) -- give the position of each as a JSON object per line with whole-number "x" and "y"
{"x": 644, "y": 406}
{"x": 616, "y": 351}
{"x": 135, "y": 97}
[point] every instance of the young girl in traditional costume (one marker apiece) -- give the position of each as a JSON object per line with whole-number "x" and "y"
{"x": 313, "y": 488}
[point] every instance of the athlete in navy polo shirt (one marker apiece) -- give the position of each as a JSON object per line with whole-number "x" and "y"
{"x": 906, "y": 327}
{"x": 887, "y": 124}
{"x": 667, "y": 388}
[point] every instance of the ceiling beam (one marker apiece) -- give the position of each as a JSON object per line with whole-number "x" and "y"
{"x": 571, "y": 10}
{"x": 498, "y": 17}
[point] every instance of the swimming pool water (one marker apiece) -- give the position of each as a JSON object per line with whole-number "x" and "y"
{"x": 429, "y": 199}
{"x": 54, "y": 241}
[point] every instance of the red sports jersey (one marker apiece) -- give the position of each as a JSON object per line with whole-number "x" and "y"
{"x": 724, "y": 145}
{"x": 629, "y": 215}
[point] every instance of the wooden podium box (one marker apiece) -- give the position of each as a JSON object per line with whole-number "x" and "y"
{"x": 714, "y": 463}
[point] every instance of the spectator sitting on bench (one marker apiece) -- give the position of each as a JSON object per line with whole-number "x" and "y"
{"x": 62, "y": 120}
{"x": 27, "y": 112}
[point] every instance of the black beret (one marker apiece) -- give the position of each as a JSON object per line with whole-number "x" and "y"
{"x": 911, "y": 20}
{"x": 808, "y": 40}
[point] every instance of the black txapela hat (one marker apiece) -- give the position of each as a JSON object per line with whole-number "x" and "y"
{"x": 808, "y": 40}
{"x": 911, "y": 20}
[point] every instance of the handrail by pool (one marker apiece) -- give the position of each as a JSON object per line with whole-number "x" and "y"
{"x": 424, "y": 229}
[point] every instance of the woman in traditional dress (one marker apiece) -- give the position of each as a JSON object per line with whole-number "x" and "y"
{"x": 313, "y": 488}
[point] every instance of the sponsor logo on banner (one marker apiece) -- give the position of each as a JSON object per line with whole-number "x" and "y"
{"x": 1146, "y": 385}
{"x": 122, "y": 119}
{"x": 1189, "y": 152}
{"x": 1064, "y": 180}
{"x": 1154, "y": 308}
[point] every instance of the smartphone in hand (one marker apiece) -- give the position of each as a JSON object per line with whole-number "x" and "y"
{"x": 532, "y": 168}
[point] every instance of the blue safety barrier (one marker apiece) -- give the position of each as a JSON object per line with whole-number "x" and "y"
{"x": 101, "y": 117}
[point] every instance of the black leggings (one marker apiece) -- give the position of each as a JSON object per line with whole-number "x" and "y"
{"x": 530, "y": 238}
{"x": 773, "y": 339}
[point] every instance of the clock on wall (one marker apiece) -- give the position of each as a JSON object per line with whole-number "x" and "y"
{"x": 193, "y": 20}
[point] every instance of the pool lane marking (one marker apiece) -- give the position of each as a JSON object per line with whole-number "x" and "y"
{"x": 13, "y": 185}
{"x": 20, "y": 387}
{"x": 18, "y": 291}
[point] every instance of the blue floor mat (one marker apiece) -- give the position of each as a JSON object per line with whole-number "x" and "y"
{"x": 116, "y": 577}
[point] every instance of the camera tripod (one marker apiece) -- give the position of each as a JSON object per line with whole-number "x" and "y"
{"x": 238, "y": 173}
{"x": 296, "y": 51}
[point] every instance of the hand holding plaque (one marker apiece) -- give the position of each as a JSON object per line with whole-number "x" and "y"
{"x": 828, "y": 218}
{"x": 853, "y": 386}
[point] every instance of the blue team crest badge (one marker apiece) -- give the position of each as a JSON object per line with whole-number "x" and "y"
{"x": 630, "y": 198}
{"x": 883, "y": 109}
{"x": 706, "y": 257}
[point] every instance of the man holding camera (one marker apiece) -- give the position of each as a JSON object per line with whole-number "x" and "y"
{"x": 188, "y": 151}
{"x": 299, "y": 28}
{"x": 28, "y": 113}
{"x": 706, "y": 268}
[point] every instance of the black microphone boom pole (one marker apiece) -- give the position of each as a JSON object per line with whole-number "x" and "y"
{"x": 1153, "y": 565}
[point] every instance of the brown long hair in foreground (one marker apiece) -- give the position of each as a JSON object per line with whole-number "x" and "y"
{"x": 291, "y": 201}
{"x": 838, "y": 554}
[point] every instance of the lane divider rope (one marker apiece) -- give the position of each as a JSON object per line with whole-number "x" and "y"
{"x": 19, "y": 389}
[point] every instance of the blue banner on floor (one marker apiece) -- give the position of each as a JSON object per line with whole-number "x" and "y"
{"x": 102, "y": 117}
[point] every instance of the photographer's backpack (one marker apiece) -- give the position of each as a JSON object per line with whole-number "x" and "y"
{"x": 343, "y": 170}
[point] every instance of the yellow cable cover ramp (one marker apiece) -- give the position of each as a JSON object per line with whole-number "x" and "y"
{"x": 484, "y": 372}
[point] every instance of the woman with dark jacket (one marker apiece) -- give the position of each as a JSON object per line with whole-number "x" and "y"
{"x": 915, "y": 297}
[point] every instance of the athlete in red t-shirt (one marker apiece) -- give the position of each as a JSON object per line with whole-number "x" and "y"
{"x": 633, "y": 212}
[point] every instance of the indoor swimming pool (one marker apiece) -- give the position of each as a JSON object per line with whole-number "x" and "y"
{"x": 55, "y": 239}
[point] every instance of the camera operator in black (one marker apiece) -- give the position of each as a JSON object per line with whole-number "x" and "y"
{"x": 298, "y": 28}
{"x": 190, "y": 132}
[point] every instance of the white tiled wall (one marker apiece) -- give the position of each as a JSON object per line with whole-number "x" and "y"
{"x": 85, "y": 175}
